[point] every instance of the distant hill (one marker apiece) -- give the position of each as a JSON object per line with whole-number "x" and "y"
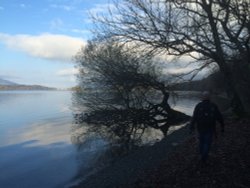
{"x": 4, "y": 82}
{"x": 8, "y": 85}
{"x": 25, "y": 87}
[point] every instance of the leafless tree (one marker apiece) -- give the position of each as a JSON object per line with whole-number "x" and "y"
{"x": 121, "y": 90}
{"x": 210, "y": 31}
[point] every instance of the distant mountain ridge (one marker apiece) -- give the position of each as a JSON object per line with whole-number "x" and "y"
{"x": 9, "y": 85}
{"x": 7, "y": 82}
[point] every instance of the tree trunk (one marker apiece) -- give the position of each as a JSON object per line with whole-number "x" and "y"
{"x": 236, "y": 73}
{"x": 237, "y": 76}
{"x": 241, "y": 82}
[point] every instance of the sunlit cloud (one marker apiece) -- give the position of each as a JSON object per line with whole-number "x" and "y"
{"x": 45, "y": 46}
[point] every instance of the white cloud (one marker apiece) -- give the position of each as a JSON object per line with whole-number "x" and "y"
{"x": 24, "y": 6}
{"x": 63, "y": 7}
{"x": 46, "y": 46}
{"x": 67, "y": 72}
{"x": 102, "y": 8}
{"x": 56, "y": 23}
{"x": 80, "y": 31}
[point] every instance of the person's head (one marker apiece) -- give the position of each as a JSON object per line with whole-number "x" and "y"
{"x": 205, "y": 95}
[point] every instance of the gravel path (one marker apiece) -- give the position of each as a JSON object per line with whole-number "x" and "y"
{"x": 129, "y": 168}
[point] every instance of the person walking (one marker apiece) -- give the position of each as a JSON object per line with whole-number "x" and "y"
{"x": 204, "y": 119}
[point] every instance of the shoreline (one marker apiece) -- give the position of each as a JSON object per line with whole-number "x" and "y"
{"x": 174, "y": 162}
{"x": 129, "y": 167}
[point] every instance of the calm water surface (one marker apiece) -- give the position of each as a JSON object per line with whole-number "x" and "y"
{"x": 36, "y": 148}
{"x": 35, "y": 140}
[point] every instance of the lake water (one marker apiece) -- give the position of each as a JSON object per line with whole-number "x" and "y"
{"x": 36, "y": 148}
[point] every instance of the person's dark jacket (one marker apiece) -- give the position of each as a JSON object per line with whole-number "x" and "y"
{"x": 205, "y": 116}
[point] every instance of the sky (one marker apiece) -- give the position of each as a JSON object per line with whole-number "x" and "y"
{"x": 38, "y": 39}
